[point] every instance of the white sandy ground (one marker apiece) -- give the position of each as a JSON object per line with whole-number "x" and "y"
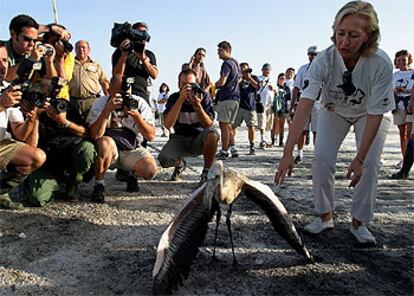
{"x": 89, "y": 249}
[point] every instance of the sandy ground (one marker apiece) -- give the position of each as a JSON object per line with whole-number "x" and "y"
{"x": 89, "y": 249}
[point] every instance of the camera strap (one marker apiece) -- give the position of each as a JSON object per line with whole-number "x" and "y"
{"x": 264, "y": 86}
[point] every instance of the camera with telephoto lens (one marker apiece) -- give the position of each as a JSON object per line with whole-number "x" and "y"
{"x": 120, "y": 32}
{"x": 196, "y": 89}
{"x": 56, "y": 85}
{"x": 127, "y": 100}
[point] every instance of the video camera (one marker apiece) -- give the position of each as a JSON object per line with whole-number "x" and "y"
{"x": 120, "y": 32}
{"x": 127, "y": 100}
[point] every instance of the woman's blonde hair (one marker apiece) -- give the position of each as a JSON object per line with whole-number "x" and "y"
{"x": 367, "y": 11}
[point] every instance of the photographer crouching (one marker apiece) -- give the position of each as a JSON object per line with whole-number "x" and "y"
{"x": 115, "y": 123}
{"x": 17, "y": 159}
{"x": 63, "y": 136}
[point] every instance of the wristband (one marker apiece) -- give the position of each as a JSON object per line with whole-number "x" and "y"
{"x": 359, "y": 160}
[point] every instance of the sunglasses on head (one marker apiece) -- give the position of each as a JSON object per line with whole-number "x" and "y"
{"x": 27, "y": 38}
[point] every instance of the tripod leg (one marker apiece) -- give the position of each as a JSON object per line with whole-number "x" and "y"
{"x": 228, "y": 223}
{"x": 218, "y": 216}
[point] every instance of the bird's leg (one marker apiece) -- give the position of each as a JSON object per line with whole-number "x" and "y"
{"x": 218, "y": 216}
{"x": 228, "y": 223}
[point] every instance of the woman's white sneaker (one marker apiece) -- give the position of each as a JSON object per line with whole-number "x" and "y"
{"x": 363, "y": 235}
{"x": 317, "y": 225}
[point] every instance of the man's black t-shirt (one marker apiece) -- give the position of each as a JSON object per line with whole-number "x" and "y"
{"x": 248, "y": 94}
{"x": 134, "y": 68}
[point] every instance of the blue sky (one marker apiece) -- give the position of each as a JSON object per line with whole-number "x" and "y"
{"x": 278, "y": 32}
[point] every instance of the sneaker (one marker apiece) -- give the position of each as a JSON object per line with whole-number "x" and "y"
{"x": 234, "y": 152}
{"x": 223, "y": 155}
{"x": 132, "y": 184}
{"x": 262, "y": 144}
{"x": 398, "y": 166}
{"x": 399, "y": 175}
{"x": 203, "y": 178}
{"x": 317, "y": 225}
{"x": 298, "y": 159}
{"x": 252, "y": 151}
{"x": 176, "y": 176}
{"x": 7, "y": 203}
{"x": 281, "y": 142}
{"x": 363, "y": 235}
{"x": 98, "y": 193}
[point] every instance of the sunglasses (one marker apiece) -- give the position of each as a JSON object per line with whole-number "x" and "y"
{"x": 27, "y": 38}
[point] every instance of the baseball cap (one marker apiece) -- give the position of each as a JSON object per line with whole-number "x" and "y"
{"x": 267, "y": 66}
{"x": 312, "y": 49}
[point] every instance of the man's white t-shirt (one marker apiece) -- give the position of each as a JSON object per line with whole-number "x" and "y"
{"x": 371, "y": 77}
{"x": 143, "y": 107}
{"x": 267, "y": 90}
{"x": 301, "y": 83}
{"x": 10, "y": 114}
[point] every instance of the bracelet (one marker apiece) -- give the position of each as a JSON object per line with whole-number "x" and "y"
{"x": 359, "y": 160}
{"x": 67, "y": 124}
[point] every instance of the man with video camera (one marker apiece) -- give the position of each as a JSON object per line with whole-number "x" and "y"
{"x": 190, "y": 111}
{"x": 116, "y": 121}
{"x": 132, "y": 59}
{"x": 17, "y": 159}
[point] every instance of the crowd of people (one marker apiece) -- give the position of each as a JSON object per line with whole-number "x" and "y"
{"x": 63, "y": 122}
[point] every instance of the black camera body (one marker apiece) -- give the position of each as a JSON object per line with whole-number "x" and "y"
{"x": 196, "y": 88}
{"x": 39, "y": 99}
{"x": 248, "y": 70}
{"x": 127, "y": 100}
{"x": 55, "y": 86}
{"x": 120, "y": 32}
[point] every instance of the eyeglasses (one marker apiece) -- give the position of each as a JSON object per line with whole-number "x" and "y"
{"x": 27, "y": 38}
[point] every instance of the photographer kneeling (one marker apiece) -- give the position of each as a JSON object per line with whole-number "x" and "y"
{"x": 115, "y": 122}
{"x": 17, "y": 159}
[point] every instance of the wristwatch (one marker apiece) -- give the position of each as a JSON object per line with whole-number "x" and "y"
{"x": 67, "y": 124}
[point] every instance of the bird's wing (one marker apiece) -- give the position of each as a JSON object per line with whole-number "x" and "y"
{"x": 179, "y": 243}
{"x": 263, "y": 196}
